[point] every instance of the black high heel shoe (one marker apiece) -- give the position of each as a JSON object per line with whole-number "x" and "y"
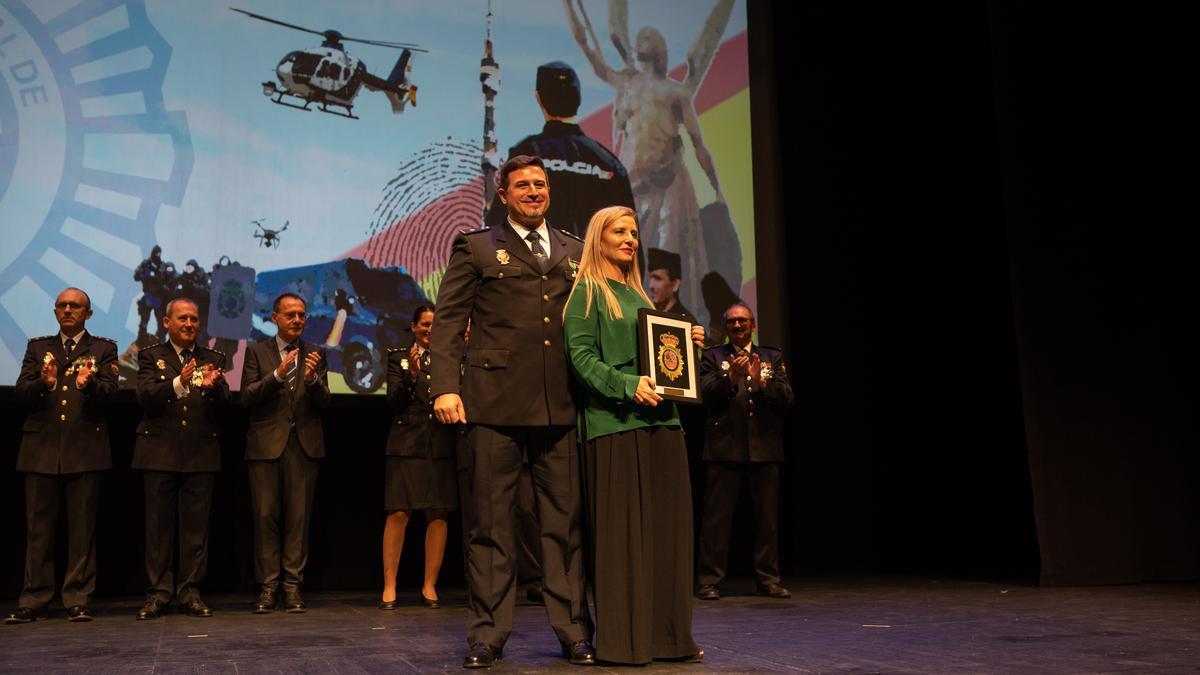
{"x": 429, "y": 604}
{"x": 387, "y": 604}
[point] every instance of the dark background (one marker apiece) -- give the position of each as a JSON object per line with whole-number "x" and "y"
{"x": 987, "y": 309}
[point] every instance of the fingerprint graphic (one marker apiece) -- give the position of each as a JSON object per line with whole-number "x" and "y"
{"x": 437, "y": 193}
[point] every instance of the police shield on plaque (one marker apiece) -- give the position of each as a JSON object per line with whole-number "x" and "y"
{"x": 667, "y": 355}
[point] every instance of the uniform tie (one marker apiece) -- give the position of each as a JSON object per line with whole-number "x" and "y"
{"x": 535, "y": 245}
{"x": 69, "y": 346}
{"x": 185, "y": 356}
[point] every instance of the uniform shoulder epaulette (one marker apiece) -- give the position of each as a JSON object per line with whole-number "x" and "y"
{"x": 215, "y": 351}
{"x": 101, "y": 337}
{"x": 570, "y": 234}
{"x": 43, "y": 337}
{"x": 156, "y": 345}
{"x": 393, "y": 349}
{"x": 774, "y": 349}
{"x": 477, "y": 230}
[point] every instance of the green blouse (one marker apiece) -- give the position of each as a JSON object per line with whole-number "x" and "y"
{"x": 604, "y": 356}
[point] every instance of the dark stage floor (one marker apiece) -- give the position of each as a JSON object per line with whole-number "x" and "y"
{"x": 830, "y": 625}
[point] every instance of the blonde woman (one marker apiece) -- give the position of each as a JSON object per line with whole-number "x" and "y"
{"x": 639, "y": 498}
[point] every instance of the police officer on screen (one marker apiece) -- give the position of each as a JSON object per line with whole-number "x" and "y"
{"x": 585, "y": 175}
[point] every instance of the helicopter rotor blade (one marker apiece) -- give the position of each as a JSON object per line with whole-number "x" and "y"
{"x": 277, "y": 22}
{"x": 382, "y": 43}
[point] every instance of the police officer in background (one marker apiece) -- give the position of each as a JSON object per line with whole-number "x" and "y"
{"x": 181, "y": 387}
{"x": 664, "y": 270}
{"x": 66, "y": 379}
{"x": 747, "y": 395}
{"x": 585, "y": 175}
{"x": 152, "y": 272}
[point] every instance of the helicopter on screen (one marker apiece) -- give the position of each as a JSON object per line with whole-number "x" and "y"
{"x": 329, "y": 76}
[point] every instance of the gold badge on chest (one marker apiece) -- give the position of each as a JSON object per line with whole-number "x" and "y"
{"x": 502, "y": 256}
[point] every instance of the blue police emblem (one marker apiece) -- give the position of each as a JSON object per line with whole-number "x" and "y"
{"x": 80, "y": 97}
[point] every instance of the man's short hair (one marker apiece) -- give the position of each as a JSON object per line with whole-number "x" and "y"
{"x": 516, "y": 164}
{"x": 279, "y": 300}
{"x": 189, "y": 301}
{"x": 558, "y": 89}
{"x": 86, "y": 297}
{"x": 725, "y": 314}
{"x": 659, "y": 259}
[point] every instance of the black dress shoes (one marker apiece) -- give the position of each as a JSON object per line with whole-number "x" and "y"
{"x": 197, "y": 608}
{"x": 23, "y": 615}
{"x": 266, "y": 600}
{"x": 482, "y": 656}
{"x": 293, "y": 603}
{"x": 429, "y": 604}
{"x": 709, "y": 592}
{"x": 151, "y": 610}
{"x": 774, "y": 591}
{"x": 79, "y": 613}
{"x": 580, "y": 653}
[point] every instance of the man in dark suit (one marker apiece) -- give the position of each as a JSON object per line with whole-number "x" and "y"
{"x": 182, "y": 389}
{"x": 511, "y": 282}
{"x": 65, "y": 379}
{"x": 747, "y": 395}
{"x": 285, "y": 387}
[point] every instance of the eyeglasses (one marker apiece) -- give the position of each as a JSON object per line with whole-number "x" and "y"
{"x": 67, "y": 305}
{"x": 294, "y": 315}
{"x": 735, "y": 320}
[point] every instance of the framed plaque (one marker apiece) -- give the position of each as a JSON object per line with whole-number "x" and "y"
{"x": 667, "y": 355}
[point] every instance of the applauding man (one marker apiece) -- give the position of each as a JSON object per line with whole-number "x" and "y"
{"x": 284, "y": 386}
{"x": 65, "y": 379}
{"x": 181, "y": 385}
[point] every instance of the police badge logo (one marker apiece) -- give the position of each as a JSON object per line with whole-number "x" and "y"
{"x": 670, "y": 360}
{"x": 502, "y": 256}
{"x": 160, "y": 364}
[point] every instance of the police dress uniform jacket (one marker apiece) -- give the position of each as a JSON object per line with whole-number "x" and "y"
{"x": 584, "y": 176}
{"x": 65, "y": 431}
{"x": 178, "y": 434}
{"x": 414, "y": 433}
{"x": 745, "y": 424}
{"x": 274, "y": 410}
{"x": 515, "y": 367}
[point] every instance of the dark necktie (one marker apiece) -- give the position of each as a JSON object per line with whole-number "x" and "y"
{"x": 291, "y": 373}
{"x": 69, "y": 346}
{"x": 535, "y": 245}
{"x": 185, "y": 356}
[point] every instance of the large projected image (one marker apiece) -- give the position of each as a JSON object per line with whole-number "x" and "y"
{"x": 157, "y": 149}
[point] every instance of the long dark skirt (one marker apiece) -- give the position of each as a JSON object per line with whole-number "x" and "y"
{"x": 640, "y": 512}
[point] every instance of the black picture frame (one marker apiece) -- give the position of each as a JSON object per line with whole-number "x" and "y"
{"x": 666, "y": 354}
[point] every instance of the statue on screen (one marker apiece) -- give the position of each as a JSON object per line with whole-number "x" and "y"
{"x": 648, "y": 109}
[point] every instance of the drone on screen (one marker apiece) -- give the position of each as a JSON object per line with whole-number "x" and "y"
{"x": 329, "y": 76}
{"x": 268, "y": 237}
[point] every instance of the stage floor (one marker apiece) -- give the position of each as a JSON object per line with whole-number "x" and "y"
{"x": 829, "y": 625}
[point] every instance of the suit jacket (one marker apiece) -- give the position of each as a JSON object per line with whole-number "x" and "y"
{"x": 516, "y": 366}
{"x": 745, "y": 424}
{"x": 415, "y": 433}
{"x": 274, "y": 410}
{"x": 178, "y": 434}
{"x": 65, "y": 431}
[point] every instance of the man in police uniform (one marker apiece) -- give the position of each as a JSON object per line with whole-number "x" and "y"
{"x": 747, "y": 395}
{"x": 511, "y": 282}
{"x": 586, "y": 176}
{"x": 664, "y": 270}
{"x": 181, "y": 386}
{"x": 284, "y": 384}
{"x": 65, "y": 379}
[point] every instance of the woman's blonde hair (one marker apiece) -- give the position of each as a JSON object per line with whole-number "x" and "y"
{"x": 591, "y": 265}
